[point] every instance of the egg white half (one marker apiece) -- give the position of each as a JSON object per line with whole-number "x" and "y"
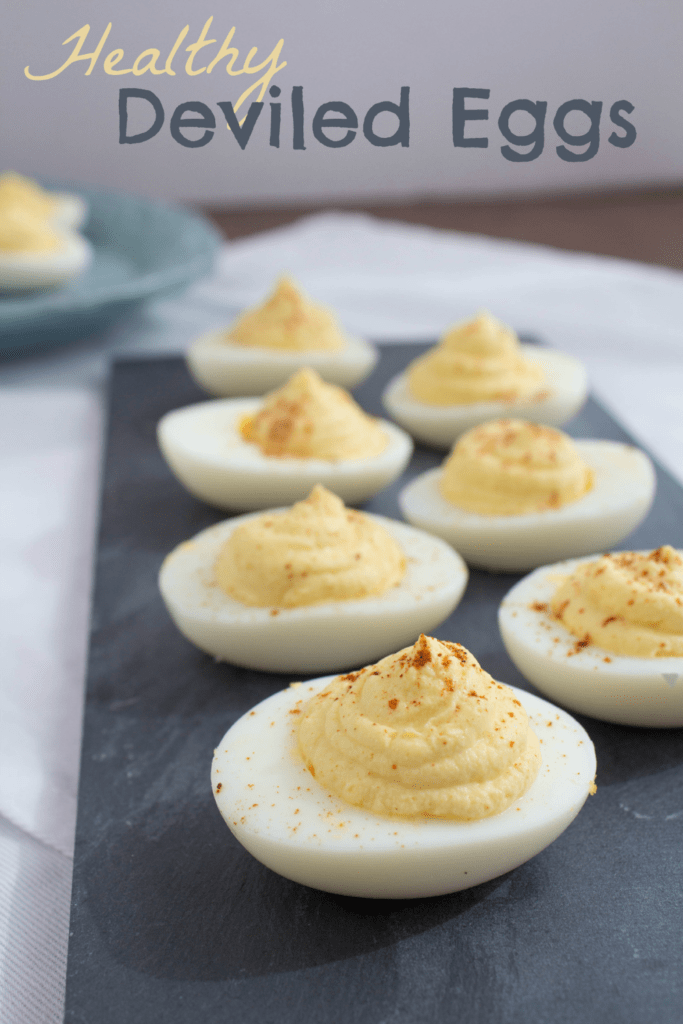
{"x": 592, "y": 681}
{"x": 204, "y": 448}
{"x": 318, "y": 638}
{"x": 564, "y": 387}
{"x": 24, "y": 271}
{"x": 225, "y": 369}
{"x": 71, "y": 212}
{"x": 285, "y": 819}
{"x": 621, "y": 497}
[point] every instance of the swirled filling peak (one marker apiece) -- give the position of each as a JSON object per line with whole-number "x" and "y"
{"x": 425, "y": 731}
{"x": 629, "y": 603}
{"x": 479, "y": 360}
{"x": 309, "y": 419}
{"x": 318, "y": 550}
{"x": 289, "y": 321}
{"x": 510, "y": 467}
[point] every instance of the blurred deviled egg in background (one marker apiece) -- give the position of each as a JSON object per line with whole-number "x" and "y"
{"x": 480, "y": 371}
{"x": 269, "y": 342}
{"x": 61, "y": 209}
{"x": 40, "y": 247}
{"x": 514, "y": 495}
{"x": 250, "y": 453}
{"x": 603, "y": 636}
{"x": 313, "y": 588}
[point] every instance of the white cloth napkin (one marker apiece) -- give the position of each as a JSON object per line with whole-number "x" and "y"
{"x": 387, "y": 281}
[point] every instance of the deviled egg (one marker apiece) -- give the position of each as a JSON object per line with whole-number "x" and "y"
{"x": 267, "y": 344}
{"x": 313, "y": 588}
{"x": 479, "y": 371}
{"x": 60, "y": 209}
{"x": 603, "y": 636}
{"x": 38, "y": 248}
{"x": 514, "y": 495}
{"x": 414, "y": 777}
{"x": 250, "y": 453}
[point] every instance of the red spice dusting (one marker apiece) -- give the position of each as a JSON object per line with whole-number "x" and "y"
{"x": 458, "y": 650}
{"x": 580, "y": 645}
{"x": 423, "y": 655}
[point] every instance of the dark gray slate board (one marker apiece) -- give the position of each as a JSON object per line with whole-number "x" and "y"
{"x": 173, "y": 923}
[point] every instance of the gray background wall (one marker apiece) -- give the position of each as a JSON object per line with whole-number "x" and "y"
{"x": 361, "y": 53}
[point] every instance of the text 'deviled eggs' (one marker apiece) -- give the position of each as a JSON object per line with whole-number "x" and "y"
{"x": 623, "y": 689}
{"x": 285, "y": 819}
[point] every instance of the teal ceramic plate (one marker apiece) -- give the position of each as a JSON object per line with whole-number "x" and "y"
{"x": 141, "y": 249}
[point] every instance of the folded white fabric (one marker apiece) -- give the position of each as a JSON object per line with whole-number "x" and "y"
{"x": 49, "y": 456}
{"x": 388, "y": 281}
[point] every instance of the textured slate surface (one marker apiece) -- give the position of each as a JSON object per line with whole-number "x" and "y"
{"x": 173, "y": 922}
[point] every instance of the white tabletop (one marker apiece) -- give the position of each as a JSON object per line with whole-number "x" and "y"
{"x": 388, "y": 281}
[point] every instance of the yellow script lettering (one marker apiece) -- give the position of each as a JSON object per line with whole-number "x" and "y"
{"x": 150, "y": 65}
{"x": 264, "y": 81}
{"x": 168, "y": 68}
{"x": 226, "y": 51}
{"x": 194, "y": 48}
{"x": 76, "y": 54}
{"x": 111, "y": 60}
